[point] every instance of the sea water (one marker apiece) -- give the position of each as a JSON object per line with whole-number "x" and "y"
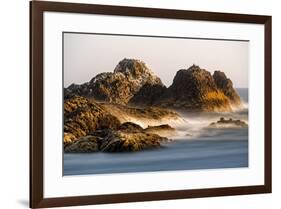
{"x": 196, "y": 146}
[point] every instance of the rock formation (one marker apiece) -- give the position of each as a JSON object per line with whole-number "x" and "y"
{"x": 118, "y": 86}
{"x": 129, "y": 109}
{"x": 225, "y": 85}
{"x": 130, "y": 137}
{"x": 90, "y": 127}
{"x": 229, "y": 123}
{"x": 194, "y": 89}
{"x": 133, "y": 83}
{"x": 148, "y": 95}
{"x": 143, "y": 115}
{"x": 82, "y": 117}
{"x": 164, "y": 130}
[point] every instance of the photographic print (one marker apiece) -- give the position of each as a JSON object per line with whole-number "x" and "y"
{"x": 172, "y": 98}
{"x": 137, "y": 103}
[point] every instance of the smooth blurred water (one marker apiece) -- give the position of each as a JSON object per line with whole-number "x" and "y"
{"x": 196, "y": 147}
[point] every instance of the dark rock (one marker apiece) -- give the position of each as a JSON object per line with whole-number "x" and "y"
{"x": 108, "y": 140}
{"x": 131, "y": 141}
{"x": 194, "y": 89}
{"x": 229, "y": 122}
{"x": 226, "y": 86}
{"x": 160, "y": 127}
{"x": 84, "y": 144}
{"x": 148, "y": 95}
{"x": 161, "y": 130}
{"x": 130, "y": 127}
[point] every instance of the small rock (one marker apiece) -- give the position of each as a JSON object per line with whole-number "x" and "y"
{"x": 229, "y": 122}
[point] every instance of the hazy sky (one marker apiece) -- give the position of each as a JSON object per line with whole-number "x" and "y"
{"x": 86, "y": 55}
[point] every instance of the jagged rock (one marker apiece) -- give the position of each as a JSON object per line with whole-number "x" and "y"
{"x": 162, "y": 130}
{"x": 122, "y": 141}
{"x": 84, "y": 144}
{"x": 226, "y": 86}
{"x": 194, "y": 89}
{"x": 132, "y": 82}
{"x": 130, "y": 127}
{"x": 82, "y": 116}
{"x": 129, "y": 138}
{"x": 229, "y": 122}
{"x": 117, "y": 87}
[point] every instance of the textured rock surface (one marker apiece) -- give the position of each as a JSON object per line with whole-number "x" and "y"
{"x": 225, "y": 85}
{"x": 84, "y": 144}
{"x": 133, "y": 83}
{"x": 118, "y": 86}
{"x": 148, "y": 95}
{"x": 130, "y": 137}
{"x": 82, "y": 117}
{"x": 89, "y": 127}
{"x": 142, "y": 115}
{"x": 194, "y": 89}
{"x": 164, "y": 130}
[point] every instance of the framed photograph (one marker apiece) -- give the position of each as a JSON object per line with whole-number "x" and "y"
{"x": 138, "y": 104}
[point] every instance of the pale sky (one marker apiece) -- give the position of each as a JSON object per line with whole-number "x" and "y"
{"x": 86, "y": 55}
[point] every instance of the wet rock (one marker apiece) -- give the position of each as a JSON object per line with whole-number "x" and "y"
{"x": 123, "y": 140}
{"x": 130, "y": 127}
{"x": 84, "y": 144}
{"x": 229, "y": 122}
{"x": 82, "y": 116}
{"x": 161, "y": 130}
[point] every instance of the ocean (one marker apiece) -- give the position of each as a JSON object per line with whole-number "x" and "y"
{"x": 195, "y": 147}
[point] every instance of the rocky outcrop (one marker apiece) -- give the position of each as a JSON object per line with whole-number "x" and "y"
{"x": 144, "y": 116}
{"x": 133, "y": 83}
{"x": 225, "y": 85}
{"x": 90, "y": 127}
{"x": 229, "y": 123}
{"x": 129, "y": 138}
{"x": 82, "y": 116}
{"x": 148, "y": 95}
{"x": 130, "y": 127}
{"x": 164, "y": 130}
{"x": 129, "y": 76}
{"x": 194, "y": 89}
{"x": 83, "y": 145}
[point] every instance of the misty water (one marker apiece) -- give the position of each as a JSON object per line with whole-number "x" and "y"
{"x": 196, "y": 146}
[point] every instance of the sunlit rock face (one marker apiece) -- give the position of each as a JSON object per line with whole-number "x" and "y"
{"x": 118, "y": 86}
{"x": 133, "y": 83}
{"x": 225, "y": 85}
{"x": 82, "y": 116}
{"x": 194, "y": 89}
